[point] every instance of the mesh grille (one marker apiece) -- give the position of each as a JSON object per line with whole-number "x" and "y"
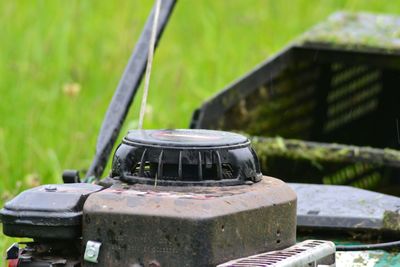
{"x": 353, "y": 94}
{"x": 307, "y": 253}
{"x": 278, "y": 97}
{"x": 321, "y": 95}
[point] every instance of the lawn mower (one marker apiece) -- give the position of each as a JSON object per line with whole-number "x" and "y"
{"x": 321, "y": 115}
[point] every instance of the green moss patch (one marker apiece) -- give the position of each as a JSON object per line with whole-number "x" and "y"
{"x": 355, "y": 30}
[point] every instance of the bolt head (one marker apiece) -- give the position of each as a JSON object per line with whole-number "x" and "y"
{"x": 91, "y": 252}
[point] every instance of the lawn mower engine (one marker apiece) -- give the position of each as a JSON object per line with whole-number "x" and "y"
{"x": 174, "y": 198}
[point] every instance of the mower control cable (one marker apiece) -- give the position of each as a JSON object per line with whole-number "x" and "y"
{"x": 149, "y": 64}
{"x": 380, "y": 246}
{"x": 128, "y": 87}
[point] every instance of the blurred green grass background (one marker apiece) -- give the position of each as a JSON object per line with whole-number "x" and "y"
{"x": 60, "y": 62}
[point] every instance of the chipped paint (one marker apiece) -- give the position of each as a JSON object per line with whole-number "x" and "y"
{"x": 373, "y": 258}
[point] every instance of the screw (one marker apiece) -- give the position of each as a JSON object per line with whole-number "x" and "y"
{"x": 91, "y": 252}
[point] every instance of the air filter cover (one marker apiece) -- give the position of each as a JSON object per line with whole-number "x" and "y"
{"x": 47, "y": 211}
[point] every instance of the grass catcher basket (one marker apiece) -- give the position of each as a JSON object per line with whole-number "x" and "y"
{"x": 339, "y": 83}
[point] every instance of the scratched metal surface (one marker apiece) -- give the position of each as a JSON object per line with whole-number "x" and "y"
{"x": 346, "y": 207}
{"x": 189, "y": 226}
{"x": 350, "y": 209}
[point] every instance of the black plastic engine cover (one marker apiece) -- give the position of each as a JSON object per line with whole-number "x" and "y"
{"x": 48, "y": 211}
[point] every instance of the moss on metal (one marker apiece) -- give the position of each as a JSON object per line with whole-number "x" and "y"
{"x": 355, "y": 30}
{"x": 321, "y": 152}
{"x": 391, "y": 220}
